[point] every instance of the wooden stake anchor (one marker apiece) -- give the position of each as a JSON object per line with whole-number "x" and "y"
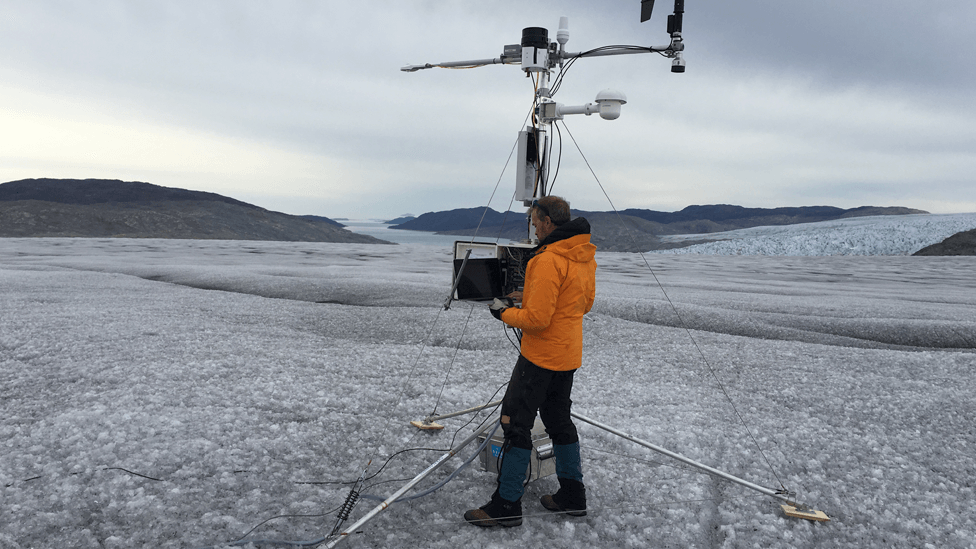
{"x": 430, "y": 422}
{"x": 809, "y": 514}
{"x": 427, "y": 425}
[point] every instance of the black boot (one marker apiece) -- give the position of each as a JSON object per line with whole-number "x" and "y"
{"x": 570, "y": 499}
{"x": 497, "y": 512}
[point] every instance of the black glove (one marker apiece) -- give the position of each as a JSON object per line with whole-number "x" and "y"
{"x": 499, "y": 305}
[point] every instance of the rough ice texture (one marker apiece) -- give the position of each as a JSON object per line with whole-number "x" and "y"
{"x": 178, "y": 393}
{"x": 888, "y": 235}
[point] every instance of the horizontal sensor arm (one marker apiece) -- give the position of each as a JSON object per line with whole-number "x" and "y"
{"x": 464, "y": 64}
{"x": 587, "y": 109}
{"x": 516, "y": 59}
{"x": 674, "y": 46}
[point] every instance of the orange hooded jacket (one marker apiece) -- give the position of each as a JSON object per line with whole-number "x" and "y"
{"x": 560, "y": 286}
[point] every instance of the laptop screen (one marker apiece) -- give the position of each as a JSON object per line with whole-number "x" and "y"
{"x": 481, "y": 279}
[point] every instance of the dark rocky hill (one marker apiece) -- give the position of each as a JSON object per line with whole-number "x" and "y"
{"x": 100, "y": 191}
{"x": 402, "y": 219}
{"x": 462, "y": 219}
{"x": 726, "y": 217}
{"x": 963, "y": 243}
{"x": 635, "y": 229}
{"x": 111, "y": 208}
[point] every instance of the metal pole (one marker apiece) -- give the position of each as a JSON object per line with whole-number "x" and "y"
{"x": 644, "y": 443}
{"x": 711, "y": 470}
{"x": 683, "y": 459}
{"x": 462, "y": 64}
{"x": 604, "y": 53}
{"x": 386, "y": 503}
{"x": 541, "y": 136}
{"x": 457, "y": 280}
{"x": 462, "y": 412}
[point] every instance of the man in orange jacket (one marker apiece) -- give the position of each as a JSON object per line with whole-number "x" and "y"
{"x": 560, "y": 286}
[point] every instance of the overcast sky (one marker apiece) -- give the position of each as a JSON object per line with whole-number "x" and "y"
{"x": 301, "y": 107}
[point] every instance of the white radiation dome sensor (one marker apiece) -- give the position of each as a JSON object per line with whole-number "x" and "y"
{"x": 610, "y": 101}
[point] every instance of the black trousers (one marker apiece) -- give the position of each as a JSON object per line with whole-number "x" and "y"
{"x": 533, "y": 389}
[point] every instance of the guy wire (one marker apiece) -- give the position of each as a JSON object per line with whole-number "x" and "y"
{"x": 453, "y": 359}
{"x": 681, "y": 321}
{"x": 473, "y": 237}
{"x": 500, "y": 176}
{"x": 440, "y": 310}
{"x": 501, "y": 229}
{"x": 559, "y": 158}
{"x": 478, "y": 228}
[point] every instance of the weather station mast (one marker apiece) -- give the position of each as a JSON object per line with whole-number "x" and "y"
{"x": 484, "y": 271}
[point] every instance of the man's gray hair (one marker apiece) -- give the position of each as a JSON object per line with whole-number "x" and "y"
{"x": 554, "y": 207}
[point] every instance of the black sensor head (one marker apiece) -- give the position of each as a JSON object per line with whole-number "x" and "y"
{"x": 647, "y": 6}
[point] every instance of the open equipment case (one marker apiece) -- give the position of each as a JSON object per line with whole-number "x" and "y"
{"x": 484, "y": 271}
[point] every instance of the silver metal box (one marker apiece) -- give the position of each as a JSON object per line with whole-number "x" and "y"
{"x": 542, "y": 463}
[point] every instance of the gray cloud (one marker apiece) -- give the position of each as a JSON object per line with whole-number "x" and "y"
{"x": 305, "y": 109}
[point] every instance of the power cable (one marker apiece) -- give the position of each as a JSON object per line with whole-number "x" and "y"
{"x": 557, "y": 82}
{"x": 447, "y": 479}
{"x": 278, "y": 517}
{"x": 518, "y": 336}
{"x": 559, "y": 158}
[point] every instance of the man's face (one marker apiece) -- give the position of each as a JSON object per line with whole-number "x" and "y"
{"x": 542, "y": 226}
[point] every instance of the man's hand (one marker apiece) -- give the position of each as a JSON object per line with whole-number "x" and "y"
{"x": 499, "y": 305}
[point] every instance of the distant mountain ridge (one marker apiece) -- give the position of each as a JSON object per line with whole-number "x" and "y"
{"x": 113, "y": 208}
{"x": 460, "y": 219}
{"x": 728, "y": 214}
{"x": 99, "y": 191}
{"x": 637, "y": 229}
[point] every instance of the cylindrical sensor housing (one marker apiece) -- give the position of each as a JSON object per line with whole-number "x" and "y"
{"x": 535, "y": 49}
